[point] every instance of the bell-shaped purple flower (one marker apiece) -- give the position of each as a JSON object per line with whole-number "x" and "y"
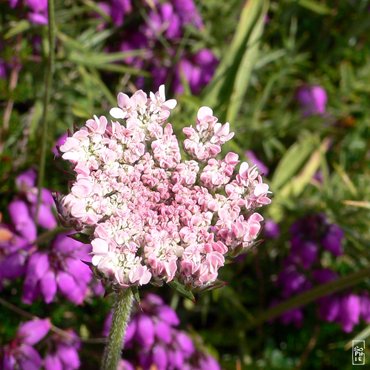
{"x": 61, "y": 269}
{"x": 254, "y": 161}
{"x": 20, "y": 353}
{"x": 332, "y": 240}
{"x": 188, "y": 12}
{"x": 304, "y": 253}
{"x": 350, "y": 309}
{"x": 271, "y": 229}
{"x": 65, "y": 354}
{"x": 292, "y": 282}
{"x": 145, "y": 331}
{"x": 294, "y": 316}
{"x": 329, "y": 308}
{"x": 365, "y": 308}
{"x": 22, "y": 220}
{"x": 159, "y": 357}
{"x": 163, "y": 331}
{"x": 312, "y": 100}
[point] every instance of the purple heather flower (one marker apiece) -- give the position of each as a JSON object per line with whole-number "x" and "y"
{"x": 271, "y": 229}
{"x": 329, "y": 308}
{"x": 25, "y": 183}
{"x": 60, "y": 269}
{"x": 159, "y": 357}
{"x": 303, "y": 252}
{"x": 349, "y": 312}
{"x": 26, "y": 180}
{"x": 31, "y": 332}
{"x": 14, "y": 251}
{"x": 324, "y": 275}
{"x": 185, "y": 344}
{"x": 163, "y": 20}
{"x": 20, "y": 353}
{"x": 60, "y": 141}
{"x": 294, "y": 316}
{"x": 252, "y": 159}
{"x": 292, "y": 282}
{"x": 154, "y": 340}
{"x": 13, "y": 3}
{"x": 312, "y": 100}
{"x": 22, "y": 220}
{"x": 38, "y": 11}
{"x": 332, "y": 240}
{"x": 168, "y": 315}
{"x": 65, "y": 355}
{"x": 188, "y": 12}
{"x": 163, "y": 331}
{"x": 2, "y": 70}
{"x": 144, "y": 331}
{"x": 125, "y": 365}
{"x": 365, "y": 308}
{"x": 117, "y": 10}
{"x": 208, "y": 363}
{"x": 197, "y": 70}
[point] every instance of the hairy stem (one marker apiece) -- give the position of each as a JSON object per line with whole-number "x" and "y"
{"x": 121, "y": 314}
{"x": 48, "y": 85}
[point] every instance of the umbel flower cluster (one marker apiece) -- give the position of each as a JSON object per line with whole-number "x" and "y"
{"x": 153, "y": 216}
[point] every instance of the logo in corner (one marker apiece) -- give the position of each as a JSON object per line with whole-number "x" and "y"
{"x": 358, "y": 352}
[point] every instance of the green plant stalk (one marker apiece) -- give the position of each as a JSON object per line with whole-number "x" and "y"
{"x": 311, "y": 295}
{"x": 46, "y": 100}
{"x": 121, "y": 314}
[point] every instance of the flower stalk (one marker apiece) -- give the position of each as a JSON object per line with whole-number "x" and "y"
{"x": 47, "y": 94}
{"x": 121, "y": 314}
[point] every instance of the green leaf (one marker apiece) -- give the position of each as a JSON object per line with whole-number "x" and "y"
{"x": 182, "y": 289}
{"x": 292, "y": 161}
{"x": 231, "y": 79}
{"x": 245, "y": 69}
{"x": 315, "y": 7}
{"x": 296, "y": 185}
{"x": 19, "y": 27}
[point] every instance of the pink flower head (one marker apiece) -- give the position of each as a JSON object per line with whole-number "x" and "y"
{"x": 156, "y": 216}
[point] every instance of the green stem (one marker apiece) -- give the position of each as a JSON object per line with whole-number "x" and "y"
{"x": 48, "y": 85}
{"x": 312, "y": 295}
{"x": 121, "y": 315}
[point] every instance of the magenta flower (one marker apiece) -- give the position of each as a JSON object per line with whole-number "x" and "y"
{"x": 332, "y": 240}
{"x": 64, "y": 354}
{"x": 60, "y": 269}
{"x": 271, "y": 230}
{"x": 37, "y": 10}
{"x": 153, "y": 339}
{"x": 117, "y": 10}
{"x": 252, "y": 159}
{"x": 26, "y": 184}
{"x": 20, "y": 352}
{"x": 61, "y": 140}
{"x": 312, "y": 100}
{"x": 349, "y": 312}
{"x": 197, "y": 70}
{"x": 150, "y": 221}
